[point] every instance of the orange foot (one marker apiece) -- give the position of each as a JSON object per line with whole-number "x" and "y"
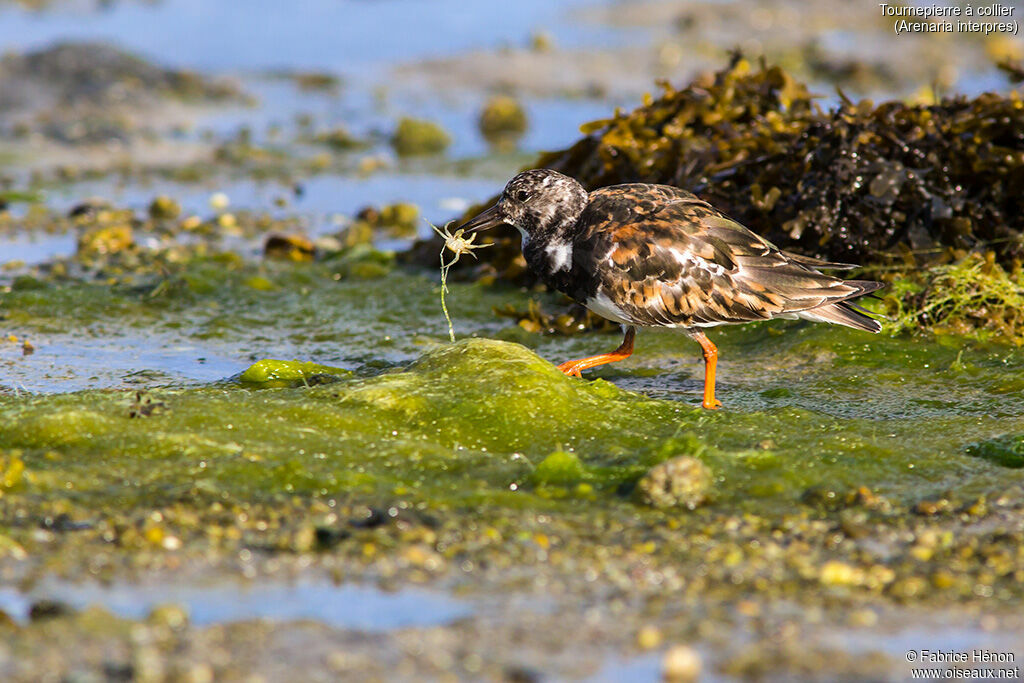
{"x": 573, "y": 368}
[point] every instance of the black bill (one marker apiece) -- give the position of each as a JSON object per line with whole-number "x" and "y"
{"x": 484, "y": 220}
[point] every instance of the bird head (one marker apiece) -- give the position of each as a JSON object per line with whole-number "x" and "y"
{"x": 535, "y": 202}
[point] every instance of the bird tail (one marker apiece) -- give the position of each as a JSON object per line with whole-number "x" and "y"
{"x": 845, "y": 312}
{"x": 817, "y": 263}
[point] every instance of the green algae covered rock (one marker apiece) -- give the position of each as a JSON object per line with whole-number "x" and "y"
{"x": 489, "y": 393}
{"x": 415, "y": 137}
{"x": 560, "y": 468}
{"x": 975, "y": 296}
{"x": 502, "y": 121}
{"x": 164, "y": 207}
{"x": 288, "y": 373}
{"x": 1007, "y": 450}
{"x": 341, "y": 140}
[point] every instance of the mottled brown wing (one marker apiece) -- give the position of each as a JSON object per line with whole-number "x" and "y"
{"x": 673, "y": 259}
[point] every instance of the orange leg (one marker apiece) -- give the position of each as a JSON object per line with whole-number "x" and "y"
{"x": 572, "y": 368}
{"x": 710, "y": 362}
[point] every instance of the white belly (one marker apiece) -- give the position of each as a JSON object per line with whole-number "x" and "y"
{"x": 603, "y": 306}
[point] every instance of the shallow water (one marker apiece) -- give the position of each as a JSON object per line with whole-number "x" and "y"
{"x": 348, "y": 606}
{"x": 33, "y": 249}
{"x": 345, "y": 37}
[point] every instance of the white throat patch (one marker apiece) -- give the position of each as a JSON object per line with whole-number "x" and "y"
{"x": 560, "y": 256}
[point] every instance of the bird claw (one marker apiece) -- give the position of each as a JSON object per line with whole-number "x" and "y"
{"x": 714, "y": 404}
{"x": 570, "y": 369}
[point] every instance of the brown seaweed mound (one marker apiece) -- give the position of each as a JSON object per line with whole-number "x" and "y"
{"x": 922, "y": 190}
{"x": 857, "y": 184}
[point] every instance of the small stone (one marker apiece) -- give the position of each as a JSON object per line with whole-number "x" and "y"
{"x": 198, "y": 673}
{"x": 648, "y": 638}
{"x": 340, "y": 139}
{"x": 192, "y": 223}
{"x": 681, "y": 664}
{"x": 821, "y": 496}
{"x": 174, "y": 617}
{"x": 909, "y": 587}
{"x": 147, "y": 665}
{"x": 317, "y": 80}
{"x": 836, "y": 573}
{"x": 862, "y": 496}
{"x": 863, "y": 618}
{"x": 683, "y": 481}
{"x": 542, "y": 41}
{"x": 219, "y": 201}
{"x": 228, "y": 221}
{"x": 930, "y": 508}
{"x": 304, "y": 540}
{"x": 106, "y": 240}
{"x": 12, "y": 470}
{"x": 401, "y": 217}
{"x": 48, "y": 609}
{"x": 164, "y": 207}
{"x": 943, "y": 580}
{"x": 288, "y": 248}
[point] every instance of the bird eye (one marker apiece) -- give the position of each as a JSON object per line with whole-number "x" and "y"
{"x": 522, "y": 195}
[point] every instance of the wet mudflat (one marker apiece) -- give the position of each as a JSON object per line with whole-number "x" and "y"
{"x": 224, "y": 460}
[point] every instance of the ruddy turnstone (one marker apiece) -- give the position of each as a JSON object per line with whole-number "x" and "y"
{"x": 658, "y": 256}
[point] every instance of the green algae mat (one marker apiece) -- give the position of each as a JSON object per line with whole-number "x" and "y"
{"x": 825, "y": 431}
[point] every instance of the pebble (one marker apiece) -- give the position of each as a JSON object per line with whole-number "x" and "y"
{"x": 681, "y": 664}
{"x": 648, "y": 638}
{"x": 680, "y": 482}
{"x": 219, "y": 201}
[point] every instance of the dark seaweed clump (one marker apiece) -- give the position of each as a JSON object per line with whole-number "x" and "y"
{"x": 928, "y": 196}
{"x": 861, "y": 183}
{"x": 857, "y": 184}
